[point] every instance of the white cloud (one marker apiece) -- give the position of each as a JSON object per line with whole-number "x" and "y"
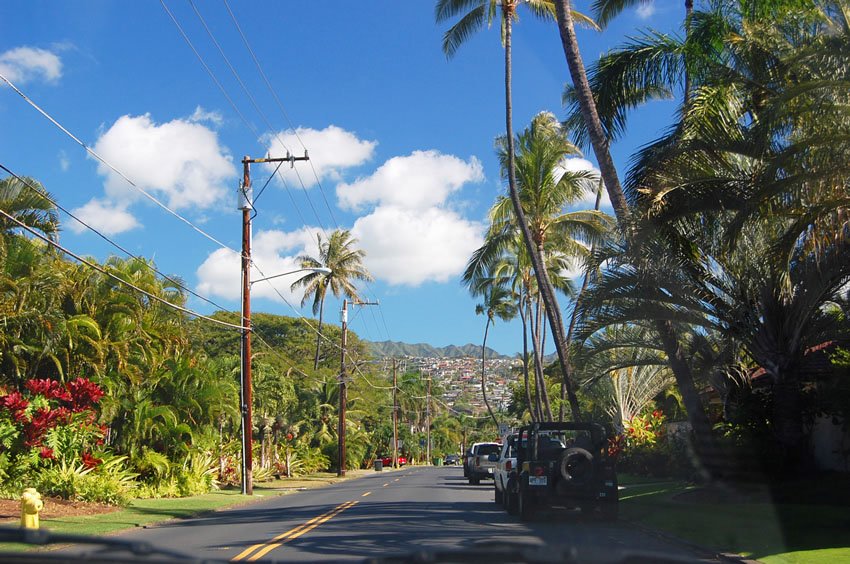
{"x": 645, "y": 9}
{"x": 412, "y": 235}
{"x": 417, "y": 181}
{"x": 201, "y": 115}
{"x": 178, "y": 161}
{"x": 108, "y": 218}
{"x": 409, "y": 247}
{"x": 332, "y": 150}
{"x": 274, "y": 252}
{"x": 26, "y": 64}
{"x": 577, "y": 164}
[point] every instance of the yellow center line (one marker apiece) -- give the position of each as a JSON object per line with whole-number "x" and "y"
{"x": 293, "y": 533}
{"x": 365, "y": 494}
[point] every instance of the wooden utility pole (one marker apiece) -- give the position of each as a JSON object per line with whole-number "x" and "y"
{"x": 247, "y": 429}
{"x": 246, "y": 204}
{"x": 343, "y": 377}
{"x": 395, "y": 414}
{"x": 428, "y": 422}
{"x": 342, "y": 392}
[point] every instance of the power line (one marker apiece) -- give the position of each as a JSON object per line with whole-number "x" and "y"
{"x": 280, "y": 107}
{"x": 118, "y": 278}
{"x": 94, "y": 154}
{"x": 53, "y": 201}
{"x": 267, "y": 122}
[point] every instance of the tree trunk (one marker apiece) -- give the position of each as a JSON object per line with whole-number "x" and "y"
{"x": 788, "y": 420}
{"x": 483, "y": 387}
{"x": 538, "y": 365}
{"x": 531, "y": 408}
{"x": 544, "y": 284}
{"x": 684, "y": 378}
{"x": 568, "y": 376}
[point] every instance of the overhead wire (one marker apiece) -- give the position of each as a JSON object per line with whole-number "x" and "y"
{"x": 280, "y": 106}
{"x": 53, "y": 201}
{"x": 298, "y": 137}
{"x": 106, "y": 163}
{"x": 116, "y": 277}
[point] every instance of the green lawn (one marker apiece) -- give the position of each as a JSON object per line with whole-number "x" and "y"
{"x": 746, "y": 523}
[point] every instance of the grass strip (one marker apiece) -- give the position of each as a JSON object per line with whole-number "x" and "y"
{"x": 782, "y": 533}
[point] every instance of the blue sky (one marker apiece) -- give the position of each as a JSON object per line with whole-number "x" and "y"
{"x": 400, "y": 139}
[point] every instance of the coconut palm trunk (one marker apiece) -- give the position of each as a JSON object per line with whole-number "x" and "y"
{"x": 599, "y": 141}
{"x": 536, "y": 341}
{"x": 483, "y": 373}
{"x": 532, "y": 407}
{"x": 547, "y": 291}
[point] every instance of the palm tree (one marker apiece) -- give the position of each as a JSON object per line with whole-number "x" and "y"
{"x": 600, "y": 142}
{"x": 546, "y": 190}
{"x": 474, "y": 13}
{"x": 345, "y": 261}
{"x": 28, "y": 202}
{"x": 498, "y": 302}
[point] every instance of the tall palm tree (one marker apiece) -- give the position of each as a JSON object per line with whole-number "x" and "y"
{"x": 600, "y": 142}
{"x": 498, "y": 303}
{"x": 546, "y": 190}
{"x": 474, "y": 13}
{"x": 345, "y": 261}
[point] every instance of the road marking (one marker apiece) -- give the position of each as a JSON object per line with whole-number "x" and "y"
{"x": 396, "y": 480}
{"x": 292, "y": 534}
{"x": 385, "y": 485}
{"x": 365, "y": 494}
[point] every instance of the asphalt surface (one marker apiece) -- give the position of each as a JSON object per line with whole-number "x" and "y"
{"x": 400, "y": 512}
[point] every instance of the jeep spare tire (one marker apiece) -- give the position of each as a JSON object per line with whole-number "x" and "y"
{"x": 575, "y": 466}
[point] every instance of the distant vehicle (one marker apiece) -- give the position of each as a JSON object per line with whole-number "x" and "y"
{"x": 479, "y": 466}
{"x": 387, "y": 461}
{"x": 452, "y": 460}
{"x": 563, "y": 465}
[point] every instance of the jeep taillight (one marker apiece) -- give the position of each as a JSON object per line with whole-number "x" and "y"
{"x": 538, "y": 471}
{"x": 508, "y": 465}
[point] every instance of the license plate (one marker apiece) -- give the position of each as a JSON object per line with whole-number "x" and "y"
{"x": 537, "y": 480}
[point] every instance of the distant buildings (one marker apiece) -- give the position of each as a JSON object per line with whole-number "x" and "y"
{"x": 461, "y": 380}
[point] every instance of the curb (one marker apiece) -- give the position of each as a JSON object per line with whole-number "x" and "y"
{"x": 719, "y": 556}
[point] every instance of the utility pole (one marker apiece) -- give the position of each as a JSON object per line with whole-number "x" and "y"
{"x": 428, "y": 422}
{"x": 246, "y": 204}
{"x": 395, "y": 414}
{"x": 342, "y": 392}
{"x": 343, "y": 376}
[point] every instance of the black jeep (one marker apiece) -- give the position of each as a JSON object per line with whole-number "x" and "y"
{"x": 563, "y": 465}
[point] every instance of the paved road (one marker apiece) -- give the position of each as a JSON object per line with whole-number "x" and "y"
{"x": 387, "y": 513}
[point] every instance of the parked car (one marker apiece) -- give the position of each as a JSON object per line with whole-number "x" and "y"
{"x": 388, "y": 461}
{"x": 452, "y": 460}
{"x": 505, "y": 469}
{"x": 479, "y": 466}
{"x": 565, "y": 465}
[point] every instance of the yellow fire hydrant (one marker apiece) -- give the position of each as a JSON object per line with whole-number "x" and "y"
{"x": 31, "y": 505}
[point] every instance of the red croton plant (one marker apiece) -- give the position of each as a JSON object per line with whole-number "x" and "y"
{"x": 49, "y": 421}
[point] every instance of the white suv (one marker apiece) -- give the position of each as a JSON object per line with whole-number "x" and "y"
{"x": 505, "y": 467}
